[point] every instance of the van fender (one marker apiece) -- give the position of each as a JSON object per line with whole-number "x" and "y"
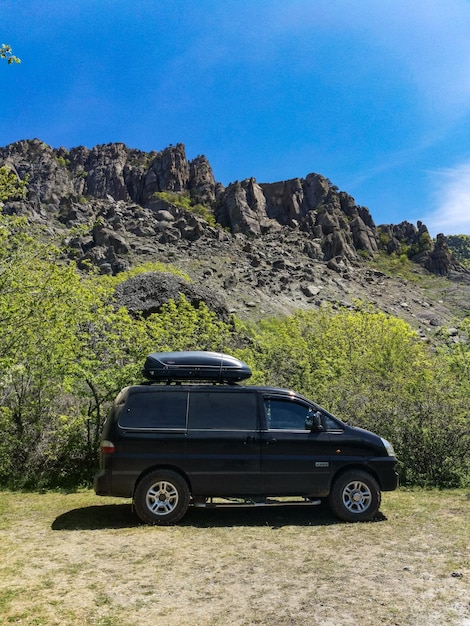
{"x": 153, "y": 468}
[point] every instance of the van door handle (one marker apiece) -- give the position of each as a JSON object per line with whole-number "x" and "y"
{"x": 271, "y": 442}
{"x": 250, "y": 440}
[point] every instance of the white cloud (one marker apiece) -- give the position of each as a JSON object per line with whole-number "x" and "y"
{"x": 452, "y": 215}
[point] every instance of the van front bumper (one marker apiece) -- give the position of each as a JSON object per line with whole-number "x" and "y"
{"x": 385, "y": 470}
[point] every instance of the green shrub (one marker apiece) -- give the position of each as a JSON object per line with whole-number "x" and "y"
{"x": 66, "y": 349}
{"x": 460, "y": 248}
{"x": 184, "y": 202}
{"x": 373, "y": 371}
{"x": 10, "y": 185}
{"x": 62, "y": 161}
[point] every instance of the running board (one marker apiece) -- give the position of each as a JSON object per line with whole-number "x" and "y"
{"x": 251, "y": 503}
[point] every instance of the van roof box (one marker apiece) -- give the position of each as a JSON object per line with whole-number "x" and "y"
{"x": 195, "y": 365}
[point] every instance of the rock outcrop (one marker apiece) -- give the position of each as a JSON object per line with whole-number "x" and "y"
{"x": 312, "y": 205}
{"x": 110, "y": 171}
{"x": 73, "y": 180}
{"x": 145, "y": 294}
{"x": 440, "y": 260}
{"x": 134, "y": 201}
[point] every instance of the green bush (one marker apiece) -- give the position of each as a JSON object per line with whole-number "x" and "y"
{"x": 460, "y": 248}
{"x": 372, "y": 370}
{"x": 184, "y": 202}
{"x": 10, "y": 185}
{"x": 66, "y": 350}
{"x": 63, "y": 162}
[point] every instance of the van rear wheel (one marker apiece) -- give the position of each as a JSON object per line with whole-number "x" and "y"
{"x": 161, "y": 498}
{"x": 355, "y": 496}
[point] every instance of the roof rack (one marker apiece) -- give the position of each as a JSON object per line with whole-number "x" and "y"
{"x": 190, "y": 381}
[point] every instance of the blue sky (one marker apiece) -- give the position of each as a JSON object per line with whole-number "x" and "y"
{"x": 373, "y": 94}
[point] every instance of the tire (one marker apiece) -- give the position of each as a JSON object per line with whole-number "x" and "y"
{"x": 161, "y": 498}
{"x": 355, "y": 496}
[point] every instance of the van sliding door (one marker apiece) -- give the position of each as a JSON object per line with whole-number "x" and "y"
{"x": 223, "y": 445}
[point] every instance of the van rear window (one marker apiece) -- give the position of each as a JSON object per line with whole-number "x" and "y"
{"x": 223, "y": 411}
{"x": 155, "y": 410}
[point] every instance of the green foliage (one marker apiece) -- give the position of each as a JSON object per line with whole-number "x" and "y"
{"x": 37, "y": 302}
{"x": 65, "y": 351}
{"x": 181, "y": 326}
{"x": 408, "y": 250}
{"x": 460, "y": 247}
{"x": 62, "y": 161}
{"x": 398, "y": 266}
{"x": 66, "y": 348}
{"x": 6, "y": 53}
{"x": 10, "y": 185}
{"x": 384, "y": 239}
{"x": 150, "y": 266}
{"x": 204, "y": 212}
{"x": 185, "y": 202}
{"x": 372, "y": 371}
{"x": 178, "y": 199}
{"x": 424, "y": 244}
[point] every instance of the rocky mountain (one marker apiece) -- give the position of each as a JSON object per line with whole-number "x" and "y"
{"x": 253, "y": 248}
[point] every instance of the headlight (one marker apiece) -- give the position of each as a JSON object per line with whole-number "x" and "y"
{"x": 388, "y": 446}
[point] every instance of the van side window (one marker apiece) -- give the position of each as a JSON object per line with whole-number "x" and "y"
{"x": 155, "y": 410}
{"x": 332, "y": 424}
{"x": 223, "y": 411}
{"x": 285, "y": 414}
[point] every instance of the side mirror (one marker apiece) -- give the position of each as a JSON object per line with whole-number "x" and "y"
{"x": 313, "y": 421}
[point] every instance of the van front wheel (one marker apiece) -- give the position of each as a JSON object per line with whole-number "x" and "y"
{"x": 161, "y": 498}
{"x": 355, "y": 496}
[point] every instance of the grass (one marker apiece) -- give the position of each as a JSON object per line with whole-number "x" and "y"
{"x": 402, "y": 267}
{"x": 77, "y": 559}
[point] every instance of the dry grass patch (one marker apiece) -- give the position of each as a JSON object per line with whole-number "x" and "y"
{"x": 78, "y": 559}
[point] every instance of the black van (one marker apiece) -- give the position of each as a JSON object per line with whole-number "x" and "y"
{"x": 171, "y": 445}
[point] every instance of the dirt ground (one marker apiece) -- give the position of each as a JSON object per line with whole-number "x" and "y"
{"x": 79, "y": 559}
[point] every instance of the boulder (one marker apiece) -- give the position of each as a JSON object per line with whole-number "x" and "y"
{"x": 147, "y": 292}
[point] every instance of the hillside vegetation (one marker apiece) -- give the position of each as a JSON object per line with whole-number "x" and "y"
{"x": 97, "y": 252}
{"x": 460, "y": 247}
{"x": 66, "y": 348}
